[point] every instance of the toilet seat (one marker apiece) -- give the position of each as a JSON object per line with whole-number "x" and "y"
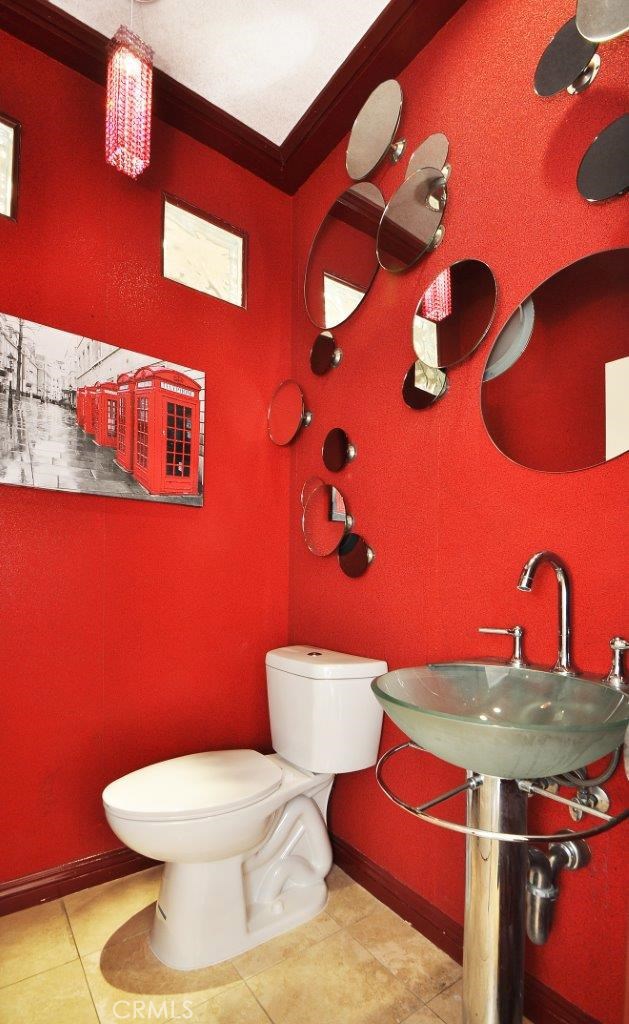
{"x": 194, "y": 786}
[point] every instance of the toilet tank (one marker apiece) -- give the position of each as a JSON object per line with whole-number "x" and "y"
{"x": 324, "y": 717}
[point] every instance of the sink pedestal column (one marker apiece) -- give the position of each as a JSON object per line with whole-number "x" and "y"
{"x": 495, "y": 904}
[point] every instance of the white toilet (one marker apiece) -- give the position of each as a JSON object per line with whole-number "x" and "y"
{"x": 243, "y": 835}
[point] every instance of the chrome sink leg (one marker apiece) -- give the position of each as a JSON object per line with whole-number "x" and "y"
{"x": 495, "y": 906}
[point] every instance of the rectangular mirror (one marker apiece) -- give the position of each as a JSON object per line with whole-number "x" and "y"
{"x": 9, "y": 166}
{"x": 203, "y": 253}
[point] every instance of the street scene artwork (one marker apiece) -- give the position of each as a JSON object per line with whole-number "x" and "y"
{"x": 81, "y": 415}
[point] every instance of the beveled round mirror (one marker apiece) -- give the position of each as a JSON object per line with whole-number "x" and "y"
{"x": 373, "y": 131}
{"x": 337, "y": 450}
{"x": 309, "y": 486}
{"x": 423, "y": 385}
{"x": 563, "y": 406}
{"x": 324, "y": 355}
{"x": 568, "y": 62}
{"x": 354, "y": 555}
{"x": 343, "y": 262}
{"x": 411, "y": 222}
{"x": 433, "y": 152}
{"x": 454, "y": 314}
{"x": 602, "y": 20}
{"x": 325, "y": 520}
{"x": 287, "y": 413}
{"x": 604, "y": 170}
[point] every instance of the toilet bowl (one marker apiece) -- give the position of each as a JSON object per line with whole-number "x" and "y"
{"x": 243, "y": 835}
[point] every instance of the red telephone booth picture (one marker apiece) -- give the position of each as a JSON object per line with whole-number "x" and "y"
{"x": 124, "y": 440}
{"x": 167, "y": 430}
{"x": 105, "y": 415}
{"x": 88, "y": 414}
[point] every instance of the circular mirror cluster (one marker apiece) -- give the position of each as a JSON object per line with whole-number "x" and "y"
{"x": 327, "y": 528}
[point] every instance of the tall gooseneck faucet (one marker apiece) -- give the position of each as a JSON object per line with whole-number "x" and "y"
{"x": 562, "y": 665}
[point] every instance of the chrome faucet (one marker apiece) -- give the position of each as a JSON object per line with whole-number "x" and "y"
{"x": 562, "y": 665}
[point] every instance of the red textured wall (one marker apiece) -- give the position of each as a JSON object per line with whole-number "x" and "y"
{"x": 132, "y": 632}
{"x": 451, "y": 519}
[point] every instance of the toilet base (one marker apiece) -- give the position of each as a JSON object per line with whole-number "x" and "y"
{"x": 210, "y": 912}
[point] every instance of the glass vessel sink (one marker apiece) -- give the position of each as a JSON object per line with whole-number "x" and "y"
{"x": 515, "y": 723}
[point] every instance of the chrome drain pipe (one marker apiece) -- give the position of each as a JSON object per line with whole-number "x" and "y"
{"x": 542, "y": 890}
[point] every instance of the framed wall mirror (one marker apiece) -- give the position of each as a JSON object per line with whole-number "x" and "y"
{"x": 454, "y": 314}
{"x": 10, "y": 132}
{"x": 203, "y": 252}
{"x": 342, "y": 263}
{"x": 562, "y": 405}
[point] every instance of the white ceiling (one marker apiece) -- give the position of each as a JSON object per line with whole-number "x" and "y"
{"x": 263, "y": 61}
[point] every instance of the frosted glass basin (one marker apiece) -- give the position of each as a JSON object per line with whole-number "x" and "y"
{"x": 516, "y": 723}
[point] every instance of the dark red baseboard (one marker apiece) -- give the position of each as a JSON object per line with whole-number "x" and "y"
{"x": 541, "y": 1004}
{"x": 50, "y": 884}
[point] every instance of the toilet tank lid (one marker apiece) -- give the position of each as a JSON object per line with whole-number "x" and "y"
{"x": 319, "y": 663}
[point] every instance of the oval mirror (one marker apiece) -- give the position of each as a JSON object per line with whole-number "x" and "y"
{"x": 411, "y": 220}
{"x": 324, "y": 354}
{"x": 355, "y": 556}
{"x": 433, "y": 152}
{"x": 568, "y": 62}
{"x": 374, "y": 129}
{"x": 310, "y": 485}
{"x": 325, "y": 520}
{"x": 423, "y": 385}
{"x": 454, "y": 314}
{"x": 563, "y": 405}
{"x": 337, "y": 450}
{"x": 604, "y": 170}
{"x": 602, "y": 21}
{"x": 342, "y": 262}
{"x": 287, "y": 413}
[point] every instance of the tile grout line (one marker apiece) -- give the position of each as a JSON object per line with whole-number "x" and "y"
{"x": 80, "y": 958}
{"x": 267, "y": 1015}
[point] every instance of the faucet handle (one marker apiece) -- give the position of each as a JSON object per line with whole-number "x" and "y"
{"x": 517, "y": 632}
{"x": 615, "y": 676}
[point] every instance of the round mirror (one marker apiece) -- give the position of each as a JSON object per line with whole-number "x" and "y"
{"x": 601, "y": 21}
{"x": 604, "y": 170}
{"x": 423, "y": 385}
{"x": 454, "y": 314}
{"x": 324, "y": 354}
{"x": 411, "y": 220}
{"x": 337, "y": 450}
{"x": 342, "y": 262}
{"x": 374, "y": 130}
{"x": 325, "y": 520}
{"x": 310, "y": 485}
{"x": 433, "y": 152}
{"x": 563, "y": 405}
{"x": 287, "y": 413}
{"x": 568, "y": 62}
{"x": 355, "y": 556}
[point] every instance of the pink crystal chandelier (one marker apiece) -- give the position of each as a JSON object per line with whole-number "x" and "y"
{"x": 129, "y": 101}
{"x": 437, "y": 301}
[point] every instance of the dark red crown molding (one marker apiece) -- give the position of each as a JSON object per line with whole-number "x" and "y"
{"x": 403, "y": 28}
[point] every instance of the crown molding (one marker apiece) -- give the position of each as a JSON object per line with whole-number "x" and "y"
{"x": 403, "y": 28}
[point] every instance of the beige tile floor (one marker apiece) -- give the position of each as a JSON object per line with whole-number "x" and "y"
{"x": 85, "y": 959}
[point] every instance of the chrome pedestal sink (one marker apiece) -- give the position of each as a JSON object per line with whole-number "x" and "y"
{"x": 503, "y": 724}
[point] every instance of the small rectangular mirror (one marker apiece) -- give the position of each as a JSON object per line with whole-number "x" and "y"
{"x": 203, "y": 253}
{"x": 9, "y": 166}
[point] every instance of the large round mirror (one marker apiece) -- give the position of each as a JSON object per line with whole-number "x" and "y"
{"x": 411, "y": 220}
{"x": 287, "y": 413}
{"x": 563, "y": 405}
{"x": 454, "y": 314}
{"x": 343, "y": 262}
{"x": 568, "y": 62}
{"x": 604, "y": 170}
{"x": 325, "y": 520}
{"x": 374, "y": 130}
